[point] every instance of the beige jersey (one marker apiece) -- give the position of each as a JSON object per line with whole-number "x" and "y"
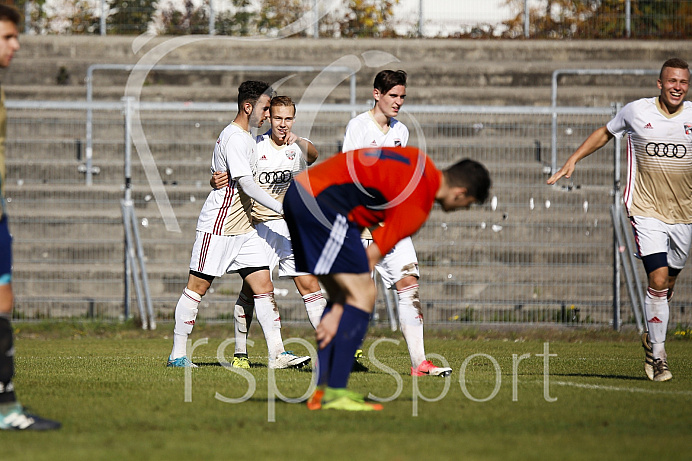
{"x": 276, "y": 166}
{"x": 659, "y": 160}
{"x": 227, "y": 211}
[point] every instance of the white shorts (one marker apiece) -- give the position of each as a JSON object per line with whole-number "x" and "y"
{"x": 216, "y": 255}
{"x": 277, "y": 244}
{"x": 654, "y": 236}
{"x": 400, "y": 262}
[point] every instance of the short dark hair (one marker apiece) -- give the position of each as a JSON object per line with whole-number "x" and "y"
{"x": 251, "y": 90}
{"x": 675, "y": 63}
{"x": 10, "y": 13}
{"x": 472, "y": 175}
{"x": 387, "y": 79}
{"x": 283, "y": 101}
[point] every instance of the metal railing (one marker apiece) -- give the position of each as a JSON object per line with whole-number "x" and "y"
{"x": 536, "y": 254}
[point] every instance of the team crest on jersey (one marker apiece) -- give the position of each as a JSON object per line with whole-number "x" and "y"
{"x": 397, "y": 143}
{"x": 688, "y": 128}
{"x": 291, "y": 154}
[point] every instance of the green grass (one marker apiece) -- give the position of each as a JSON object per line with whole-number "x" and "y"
{"x": 109, "y": 387}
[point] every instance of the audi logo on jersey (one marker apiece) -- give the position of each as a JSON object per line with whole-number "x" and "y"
{"x": 275, "y": 177}
{"x": 661, "y": 149}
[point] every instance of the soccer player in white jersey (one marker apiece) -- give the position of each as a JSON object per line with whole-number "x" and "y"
{"x": 378, "y": 127}
{"x": 658, "y": 195}
{"x": 281, "y": 154}
{"x": 226, "y": 241}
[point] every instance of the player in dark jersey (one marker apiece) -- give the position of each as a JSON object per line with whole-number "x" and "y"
{"x": 327, "y": 207}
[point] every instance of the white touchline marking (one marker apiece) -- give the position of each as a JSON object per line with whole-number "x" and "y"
{"x": 621, "y": 389}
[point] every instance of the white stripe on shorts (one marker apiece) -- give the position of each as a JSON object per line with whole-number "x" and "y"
{"x": 333, "y": 246}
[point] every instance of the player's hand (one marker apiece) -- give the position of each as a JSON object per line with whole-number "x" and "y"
{"x": 566, "y": 171}
{"x": 326, "y": 330}
{"x": 219, "y": 179}
{"x": 291, "y": 138}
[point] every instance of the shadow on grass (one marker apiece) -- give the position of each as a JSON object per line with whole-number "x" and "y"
{"x": 600, "y": 376}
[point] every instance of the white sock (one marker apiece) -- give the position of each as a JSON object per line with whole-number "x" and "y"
{"x": 314, "y": 305}
{"x": 185, "y": 315}
{"x": 242, "y": 313}
{"x": 270, "y": 320}
{"x": 657, "y": 315}
{"x": 411, "y": 320}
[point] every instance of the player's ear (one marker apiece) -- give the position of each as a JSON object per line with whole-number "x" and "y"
{"x": 376, "y": 94}
{"x": 247, "y": 107}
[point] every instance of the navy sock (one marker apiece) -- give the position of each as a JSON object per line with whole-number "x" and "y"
{"x": 324, "y": 356}
{"x": 6, "y": 362}
{"x": 348, "y": 339}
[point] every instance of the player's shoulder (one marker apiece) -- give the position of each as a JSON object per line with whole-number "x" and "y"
{"x": 396, "y": 124}
{"x": 263, "y": 138}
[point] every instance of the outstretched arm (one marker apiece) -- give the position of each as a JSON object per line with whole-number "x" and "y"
{"x": 308, "y": 149}
{"x": 595, "y": 141}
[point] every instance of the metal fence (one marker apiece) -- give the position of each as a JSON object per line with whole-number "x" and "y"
{"x": 534, "y": 254}
{"x": 376, "y": 18}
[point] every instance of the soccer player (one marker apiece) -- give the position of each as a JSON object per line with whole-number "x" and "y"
{"x": 281, "y": 154}
{"x": 378, "y": 127}
{"x": 326, "y": 209}
{"x": 226, "y": 242}
{"x": 658, "y": 194}
{"x": 12, "y": 414}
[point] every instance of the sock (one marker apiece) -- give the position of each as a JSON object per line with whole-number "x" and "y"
{"x": 411, "y": 321}
{"x": 349, "y": 337}
{"x": 657, "y": 314}
{"x": 270, "y": 321}
{"x": 6, "y": 362}
{"x": 242, "y": 313}
{"x": 185, "y": 315}
{"x": 314, "y": 305}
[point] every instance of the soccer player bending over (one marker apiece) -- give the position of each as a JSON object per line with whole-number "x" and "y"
{"x": 326, "y": 209}
{"x": 658, "y": 194}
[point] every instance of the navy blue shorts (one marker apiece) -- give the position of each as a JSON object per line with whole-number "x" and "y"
{"x": 5, "y": 252}
{"x": 324, "y": 241}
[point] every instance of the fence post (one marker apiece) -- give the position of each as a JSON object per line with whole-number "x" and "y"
{"x": 628, "y": 18}
{"x": 420, "y": 18}
{"x": 526, "y": 18}
{"x": 212, "y": 20}
{"x": 102, "y": 20}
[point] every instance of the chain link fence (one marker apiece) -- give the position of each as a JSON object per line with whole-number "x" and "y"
{"x": 534, "y": 254}
{"x": 369, "y": 18}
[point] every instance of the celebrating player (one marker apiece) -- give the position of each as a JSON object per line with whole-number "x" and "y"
{"x": 326, "y": 209}
{"x": 281, "y": 154}
{"x": 12, "y": 414}
{"x": 658, "y": 195}
{"x": 226, "y": 242}
{"x": 378, "y": 127}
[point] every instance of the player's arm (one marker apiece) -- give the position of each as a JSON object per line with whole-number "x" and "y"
{"x": 218, "y": 179}
{"x": 374, "y": 255}
{"x": 595, "y": 141}
{"x": 351, "y": 141}
{"x": 309, "y": 150}
{"x": 255, "y": 192}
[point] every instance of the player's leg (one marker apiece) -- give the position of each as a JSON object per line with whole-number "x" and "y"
{"x": 210, "y": 257}
{"x": 340, "y": 334}
{"x": 12, "y": 414}
{"x": 185, "y": 316}
{"x": 309, "y": 288}
{"x": 654, "y": 247}
{"x": 243, "y": 312}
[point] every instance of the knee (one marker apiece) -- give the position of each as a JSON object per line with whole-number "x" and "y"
{"x": 658, "y": 281}
{"x": 406, "y": 282}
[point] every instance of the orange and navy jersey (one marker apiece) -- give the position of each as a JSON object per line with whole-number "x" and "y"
{"x": 395, "y": 186}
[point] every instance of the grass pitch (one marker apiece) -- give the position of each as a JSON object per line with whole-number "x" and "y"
{"x": 109, "y": 386}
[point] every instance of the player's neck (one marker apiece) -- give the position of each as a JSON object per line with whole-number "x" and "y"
{"x": 242, "y": 121}
{"x": 380, "y": 118}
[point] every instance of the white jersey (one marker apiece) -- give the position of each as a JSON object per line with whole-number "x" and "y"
{"x": 363, "y": 131}
{"x": 276, "y": 166}
{"x": 227, "y": 211}
{"x": 659, "y": 160}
